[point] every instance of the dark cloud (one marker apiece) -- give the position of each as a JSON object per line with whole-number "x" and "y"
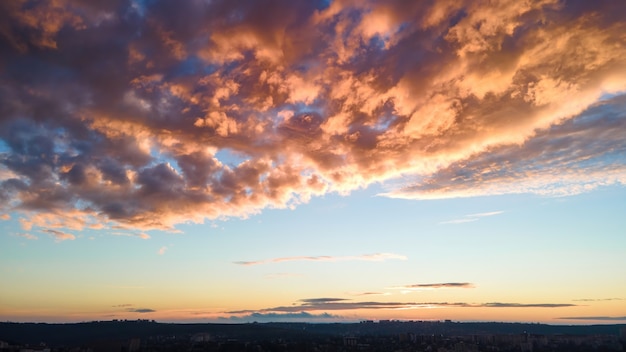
{"x": 140, "y": 310}
{"x": 115, "y": 113}
{"x": 597, "y": 299}
{"x": 280, "y": 317}
{"x": 326, "y": 304}
{"x": 321, "y": 300}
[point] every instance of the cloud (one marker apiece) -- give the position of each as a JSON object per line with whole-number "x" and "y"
{"x": 482, "y": 215}
{"x": 330, "y": 304}
{"x": 376, "y": 257}
{"x": 529, "y": 305}
{"x": 162, "y": 250}
{"x": 418, "y": 287}
{"x": 28, "y": 236}
{"x": 321, "y": 300}
{"x": 597, "y": 299}
{"x": 604, "y": 318}
{"x": 281, "y": 317}
{"x": 59, "y": 235}
{"x": 472, "y": 217}
{"x": 430, "y": 99}
{"x": 370, "y": 294}
{"x": 140, "y": 310}
{"x": 565, "y": 159}
{"x": 142, "y": 235}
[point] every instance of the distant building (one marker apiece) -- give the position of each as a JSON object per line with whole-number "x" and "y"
{"x": 350, "y": 341}
{"x": 134, "y": 345}
{"x": 201, "y": 337}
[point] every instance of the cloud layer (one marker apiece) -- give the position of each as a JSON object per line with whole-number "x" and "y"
{"x": 418, "y": 287}
{"x": 332, "y": 304}
{"x": 144, "y": 115}
{"x": 281, "y": 317}
{"x": 376, "y": 257}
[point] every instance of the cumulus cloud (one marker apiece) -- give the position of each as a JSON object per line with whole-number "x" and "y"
{"x": 330, "y": 304}
{"x": 376, "y": 257}
{"x": 433, "y": 99}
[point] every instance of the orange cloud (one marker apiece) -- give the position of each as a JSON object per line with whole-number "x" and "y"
{"x": 119, "y": 115}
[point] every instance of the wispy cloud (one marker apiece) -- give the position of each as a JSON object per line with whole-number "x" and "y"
{"x": 525, "y": 305}
{"x": 281, "y": 317}
{"x": 482, "y": 215}
{"x": 162, "y": 250}
{"x": 27, "y": 236}
{"x": 59, "y": 235}
{"x": 140, "y": 310}
{"x": 330, "y": 304}
{"x": 472, "y": 217}
{"x": 369, "y": 293}
{"x": 597, "y": 299}
{"x": 322, "y": 300}
{"x": 560, "y": 160}
{"x": 142, "y": 235}
{"x": 419, "y": 287}
{"x": 376, "y": 257}
{"x": 446, "y": 97}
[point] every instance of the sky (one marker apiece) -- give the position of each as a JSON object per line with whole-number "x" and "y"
{"x": 320, "y": 161}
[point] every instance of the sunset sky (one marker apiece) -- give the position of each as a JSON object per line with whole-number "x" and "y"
{"x": 321, "y": 161}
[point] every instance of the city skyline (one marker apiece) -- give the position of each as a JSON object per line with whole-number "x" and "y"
{"x": 319, "y": 161}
